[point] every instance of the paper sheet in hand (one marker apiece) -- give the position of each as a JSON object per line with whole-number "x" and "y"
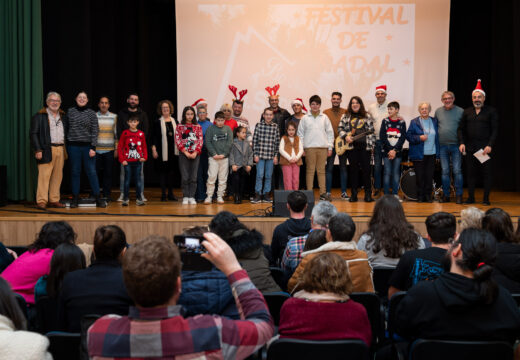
{"x": 481, "y": 156}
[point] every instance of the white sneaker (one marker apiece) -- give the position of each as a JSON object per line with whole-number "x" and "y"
{"x": 397, "y": 197}
{"x": 220, "y": 200}
{"x": 121, "y": 197}
{"x": 139, "y": 202}
{"x": 185, "y": 201}
{"x": 143, "y": 198}
{"x": 207, "y": 201}
{"x": 192, "y": 201}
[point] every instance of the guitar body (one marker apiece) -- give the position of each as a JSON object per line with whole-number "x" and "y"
{"x": 341, "y": 145}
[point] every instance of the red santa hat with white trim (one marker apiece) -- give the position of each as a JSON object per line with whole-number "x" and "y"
{"x": 299, "y": 101}
{"x": 478, "y": 88}
{"x": 199, "y": 102}
{"x": 381, "y": 88}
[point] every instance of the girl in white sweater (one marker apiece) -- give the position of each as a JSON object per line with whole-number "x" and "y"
{"x": 291, "y": 151}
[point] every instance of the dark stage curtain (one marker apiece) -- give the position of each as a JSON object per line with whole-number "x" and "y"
{"x": 113, "y": 47}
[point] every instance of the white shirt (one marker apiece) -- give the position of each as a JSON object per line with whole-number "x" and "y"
{"x": 292, "y": 155}
{"x": 316, "y": 132}
{"x": 56, "y": 128}
{"x": 379, "y": 112}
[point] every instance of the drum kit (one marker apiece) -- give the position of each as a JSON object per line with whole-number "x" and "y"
{"x": 408, "y": 182}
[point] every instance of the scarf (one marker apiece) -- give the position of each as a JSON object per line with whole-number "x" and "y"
{"x": 314, "y": 297}
{"x": 164, "y": 139}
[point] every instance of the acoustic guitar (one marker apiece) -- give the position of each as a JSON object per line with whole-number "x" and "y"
{"x": 341, "y": 145}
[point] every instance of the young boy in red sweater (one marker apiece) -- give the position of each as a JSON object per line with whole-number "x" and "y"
{"x": 132, "y": 152}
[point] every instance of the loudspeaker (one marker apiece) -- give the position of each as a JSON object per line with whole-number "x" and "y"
{"x": 280, "y": 202}
{"x": 3, "y": 185}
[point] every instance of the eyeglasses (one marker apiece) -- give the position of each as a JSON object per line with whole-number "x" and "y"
{"x": 54, "y": 101}
{"x": 449, "y": 98}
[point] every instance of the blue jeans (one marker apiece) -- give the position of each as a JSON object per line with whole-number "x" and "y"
{"x": 264, "y": 168}
{"x": 122, "y": 180}
{"x": 329, "y": 168}
{"x": 378, "y": 156}
{"x": 451, "y": 152}
{"x": 79, "y": 155}
{"x": 392, "y": 172}
{"x": 133, "y": 171}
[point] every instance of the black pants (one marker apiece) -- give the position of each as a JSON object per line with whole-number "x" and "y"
{"x": 424, "y": 176}
{"x": 359, "y": 159}
{"x": 104, "y": 168}
{"x": 239, "y": 179}
{"x": 473, "y": 167}
{"x": 167, "y": 171}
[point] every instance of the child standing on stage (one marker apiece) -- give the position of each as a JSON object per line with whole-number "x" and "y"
{"x": 219, "y": 139}
{"x": 241, "y": 161}
{"x": 132, "y": 152}
{"x": 392, "y": 135}
{"x": 189, "y": 140}
{"x": 291, "y": 151}
{"x": 266, "y": 140}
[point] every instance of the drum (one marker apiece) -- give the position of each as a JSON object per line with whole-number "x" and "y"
{"x": 408, "y": 184}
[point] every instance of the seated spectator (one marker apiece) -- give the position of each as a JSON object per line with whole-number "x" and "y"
{"x": 66, "y": 258}
{"x": 322, "y": 309}
{"x": 425, "y": 264}
{"x": 247, "y": 245}
{"x": 98, "y": 289}
{"x": 389, "y": 234}
{"x": 296, "y": 225}
{"x": 320, "y": 216}
{"x": 464, "y": 303}
{"x": 471, "y": 217}
{"x": 206, "y": 292}
{"x": 315, "y": 239}
{"x": 507, "y": 266}
{"x": 15, "y": 342}
{"x": 339, "y": 234}
{"x": 156, "y": 328}
{"x": 7, "y": 256}
{"x": 24, "y": 272}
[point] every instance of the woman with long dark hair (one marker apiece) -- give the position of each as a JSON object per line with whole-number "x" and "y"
{"x": 507, "y": 267}
{"x": 24, "y": 272}
{"x": 389, "y": 234}
{"x": 357, "y": 127}
{"x": 464, "y": 303}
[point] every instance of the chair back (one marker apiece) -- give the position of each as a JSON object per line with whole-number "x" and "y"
{"x": 86, "y": 322}
{"x": 278, "y": 277}
{"x": 381, "y": 278}
{"x": 460, "y": 350}
{"x": 392, "y": 307}
{"x": 63, "y": 345}
{"x": 274, "y": 303}
{"x": 516, "y": 297}
{"x": 314, "y": 349}
{"x": 47, "y": 314}
{"x": 375, "y": 312}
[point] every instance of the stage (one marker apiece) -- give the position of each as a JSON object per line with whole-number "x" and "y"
{"x": 20, "y": 223}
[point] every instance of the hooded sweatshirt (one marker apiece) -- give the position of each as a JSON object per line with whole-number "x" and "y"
{"x": 507, "y": 267}
{"x": 450, "y": 308}
{"x": 285, "y": 231}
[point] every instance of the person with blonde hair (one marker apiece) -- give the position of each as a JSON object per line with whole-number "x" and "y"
{"x": 228, "y": 120}
{"x": 471, "y": 217}
{"x": 322, "y": 309}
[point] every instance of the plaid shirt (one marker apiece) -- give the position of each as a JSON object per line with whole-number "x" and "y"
{"x": 163, "y": 332}
{"x": 292, "y": 255}
{"x": 345, "y": 126}
{"x": 266, "y": 140}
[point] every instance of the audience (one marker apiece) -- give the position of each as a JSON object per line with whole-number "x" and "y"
{"x": 98, "y": 289}
{"x": 322, "y": 309}
{"x": 155, "y": 327}
{"x": 425, "y": 264}
{"x": 296, "y": 225}
{"x": 15, "y": 342}
{"x": 464, "y": 303}
{"x": 315, "y": 239}
{"x": 248, "y": 248}
{"x": 507, "y": 266}
{"x": 340, "y": 233}
{"x": 7, "y": 256}
{"x": 320, "y": 216}
{"x": 389, "y": 234}
{"x": 24, "y": 272}
{"x": 470, "y": 217}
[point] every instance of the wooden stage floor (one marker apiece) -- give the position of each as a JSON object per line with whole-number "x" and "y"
{"x": 20, "y": 223}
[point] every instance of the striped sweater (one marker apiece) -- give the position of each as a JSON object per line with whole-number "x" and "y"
{"x": 83, "y": 127}
{"x": 107, "y": 132}
{"x": 164, "y": 333}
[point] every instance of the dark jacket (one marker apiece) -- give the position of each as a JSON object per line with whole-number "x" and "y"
{"x": 413, "y": 135}
{"x": 284, "y": 232}
{"x": 507, "y": 267}
{"x": 250, "y": 254}
{"x": 450, "y": 308}
{"x": 98, "y": 289}
{"x": 207, "y": 292}
{"x": 478, "y": 131}
{"x": 122, "y": 122}
{"x": 40, "y": 134}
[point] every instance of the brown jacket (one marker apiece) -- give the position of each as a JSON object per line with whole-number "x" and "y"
{"x": 357, "y": 263}
{"x": 289, "y": 148}
{"x": 335, "y": 118}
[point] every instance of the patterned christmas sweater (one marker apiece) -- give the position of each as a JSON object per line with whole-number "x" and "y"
{"x": 188, "y": 137}
{"x": 392, "y": 135}
{"x": 132, "y": 146}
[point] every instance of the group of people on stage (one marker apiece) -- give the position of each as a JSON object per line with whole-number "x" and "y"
{"x": 206, "y": 153}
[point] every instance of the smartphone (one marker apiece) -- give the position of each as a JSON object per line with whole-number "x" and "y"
{"x": 191, "y": 249}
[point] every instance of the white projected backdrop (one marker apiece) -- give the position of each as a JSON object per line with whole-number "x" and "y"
{"x": 311, "y": 48}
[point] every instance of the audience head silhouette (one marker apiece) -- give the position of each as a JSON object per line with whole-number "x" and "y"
{"x": 53, "y": 234}
{"x": 498, "y": 222}
{"x": 327, "y": 273}
{"x": 66, "y": 258}
{"x": 9, "y": 306}
{"x": 109, "y": 242}
{"x": 342, "y": 227}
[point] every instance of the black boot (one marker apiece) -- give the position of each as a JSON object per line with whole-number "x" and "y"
{"x": 238, "y": 199}
{"x": 368, "y": 198}
{"x": 353, "y": 196}
{"x": 100, "y": 202}
{"x": 171, "y": 197}
{"x": 163, "y": 196}
{"x": 74, "y": 202}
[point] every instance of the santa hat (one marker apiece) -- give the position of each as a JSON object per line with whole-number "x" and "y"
{"x": 199, "y": 101}
{"x": 242, "y": 93}
{"x": 273, "y": 90}
{"x": 381, "y": 88}
{"x": 478, "y": 88}
{"x": 299, "y": 101}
